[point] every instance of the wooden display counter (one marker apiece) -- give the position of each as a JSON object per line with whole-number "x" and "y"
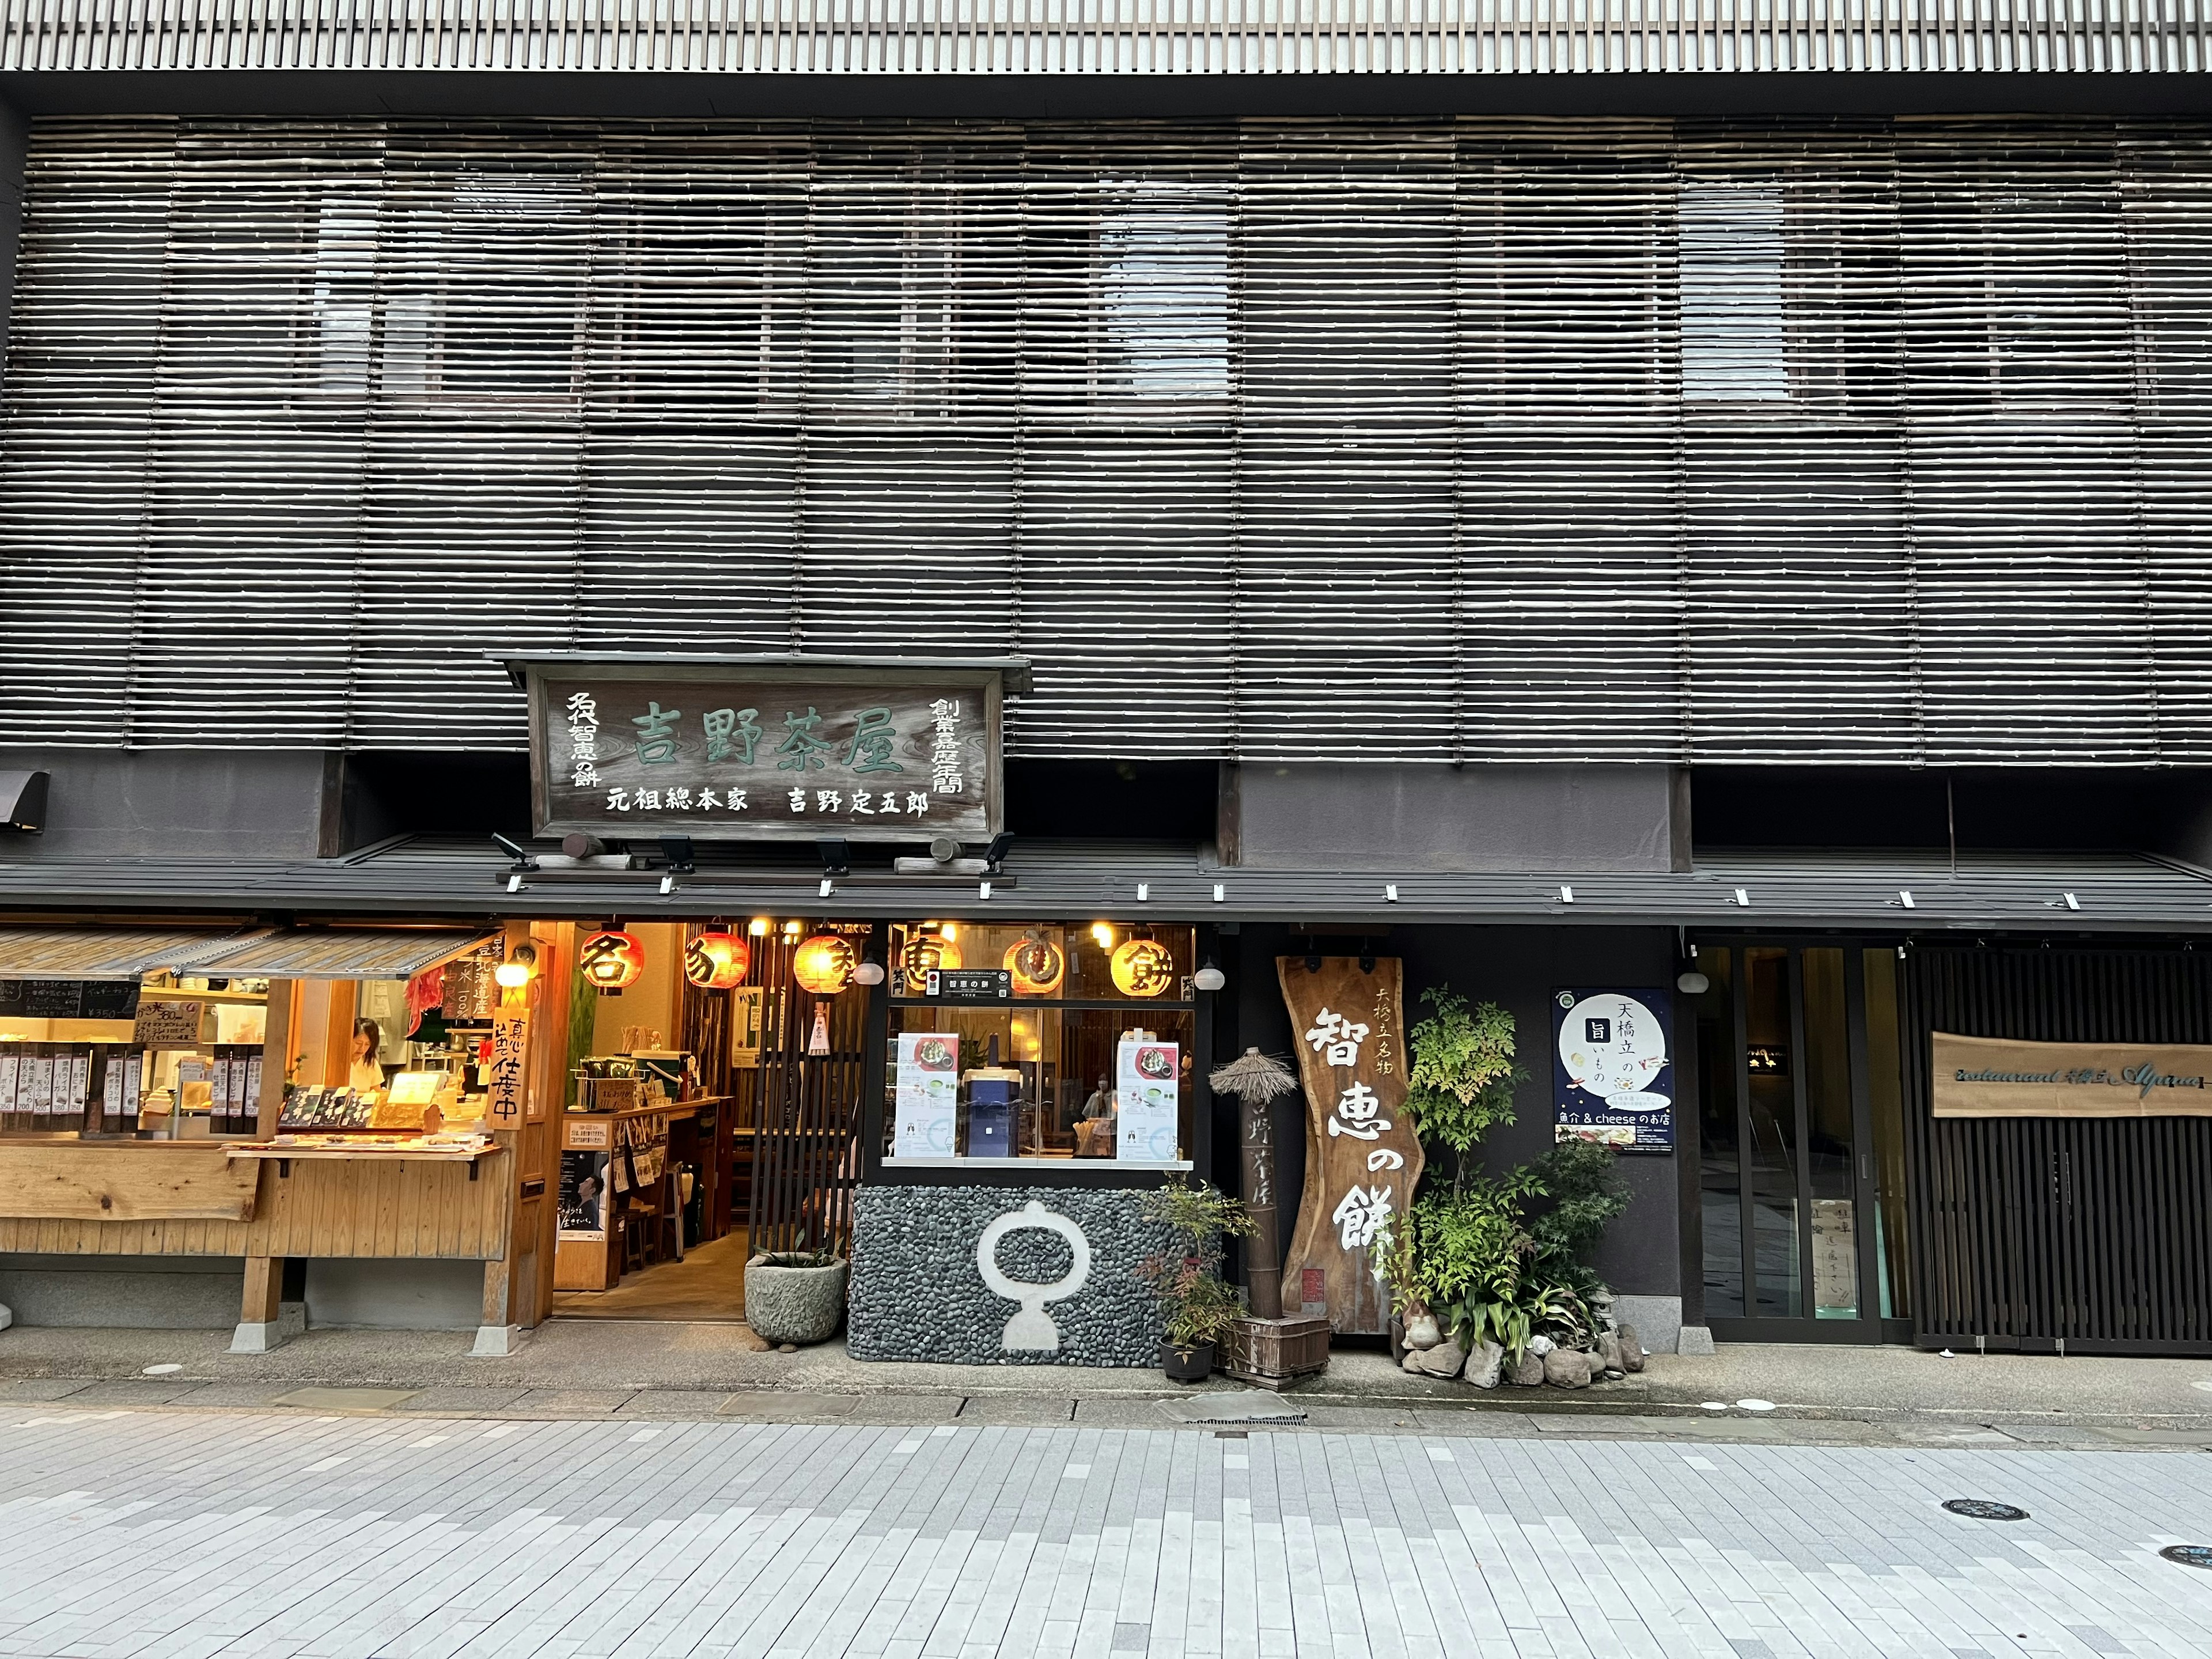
{"x": 225, "y": 1199}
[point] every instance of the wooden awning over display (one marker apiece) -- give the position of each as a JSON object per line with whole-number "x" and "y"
{"x": 103, "y": 952}
{"x": 342, "y": 952}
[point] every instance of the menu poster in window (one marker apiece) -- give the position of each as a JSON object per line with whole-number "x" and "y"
{"x": 926, "y": 1103}
{"x": 1148, "y": 1086}
{"x": 766, "y": 750}
{"x": 1363, "y": 1157}
{"x": 583, "y": 1196}
{"x": 69, "y": 998}
{"x": 1613, "y": 1075}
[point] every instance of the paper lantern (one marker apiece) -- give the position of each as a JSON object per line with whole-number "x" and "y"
{"x": 923, "y": 952}
{"x": 716, "y": 961}
{"x": 823, "y": 965}
{"x": 612, "y": 961}
{"x": 1038, "y": 965}
{"x": 1143, "y": 968}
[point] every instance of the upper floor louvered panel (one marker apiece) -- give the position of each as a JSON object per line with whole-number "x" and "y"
{"x": 1475, "y": 440}
{"x": 1113, "y": 37}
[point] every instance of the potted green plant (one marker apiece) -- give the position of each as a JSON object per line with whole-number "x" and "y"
{"x": 1197, "y": 1306}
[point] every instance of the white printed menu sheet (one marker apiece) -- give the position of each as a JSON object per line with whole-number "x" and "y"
{"x": 1148, "y": 1092}
{"x": 927, "y": 1098}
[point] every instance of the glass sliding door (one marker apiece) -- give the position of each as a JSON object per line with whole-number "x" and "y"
{"x": 1799, "y": 1139}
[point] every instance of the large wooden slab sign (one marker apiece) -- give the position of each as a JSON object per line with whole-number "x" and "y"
{"x": 146, "y": 1181}
{"x": 1996, "y": 1077}
{"x": 1363, "y": 1159}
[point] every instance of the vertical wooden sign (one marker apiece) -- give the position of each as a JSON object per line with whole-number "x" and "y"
{"x": 1363, "y": 1157}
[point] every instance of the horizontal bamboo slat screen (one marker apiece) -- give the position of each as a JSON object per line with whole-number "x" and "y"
{"x": 1475, "y": 439}
{"x": 1092, "y": 37}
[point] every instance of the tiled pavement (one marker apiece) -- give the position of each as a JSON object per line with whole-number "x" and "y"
{"x": 131, "y": 1531}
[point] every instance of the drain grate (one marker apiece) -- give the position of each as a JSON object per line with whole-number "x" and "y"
{"x": 2190, "y": 1555}
{"x": 1980, "y": 1508}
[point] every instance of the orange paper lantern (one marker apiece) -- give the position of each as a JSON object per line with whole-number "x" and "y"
{"x": 1037, "y": 964}
{"x": 716, "y": 961}
{"x": 823, "y": 965}
{"x": 612, "y": 961}
{"x": 1143, "y": 968}
{"x": 923, "y": 952}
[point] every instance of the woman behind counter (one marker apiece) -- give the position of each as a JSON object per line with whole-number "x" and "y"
{"x": 367, "y": 1074}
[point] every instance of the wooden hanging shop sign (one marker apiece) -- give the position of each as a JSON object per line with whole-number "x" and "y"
{"x": 1363, "y": 1157}
{"x": 1996, "y": 1077}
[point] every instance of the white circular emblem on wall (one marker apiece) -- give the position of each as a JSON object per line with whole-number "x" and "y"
{"x": 1032, "y": 1328}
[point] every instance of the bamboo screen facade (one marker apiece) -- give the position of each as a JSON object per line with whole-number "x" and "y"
{"x": 1125, "y": 37}
{"x": 1423, "y": 440}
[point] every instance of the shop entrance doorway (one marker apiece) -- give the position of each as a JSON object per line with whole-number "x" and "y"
{"x": 1803, "y": 1201}
{"x": 708, "y": 1124}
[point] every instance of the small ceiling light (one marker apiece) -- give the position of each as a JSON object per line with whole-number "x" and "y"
{"x": 794, "y": 928}
{"x": 1693, "y": 984}
{"x": 868, "y": 973}
{"x": 513, "y": 975}
{"x": 1102, "y": 931}
{"x": 758, "y": 927}
{"x": 1209, "y": 978}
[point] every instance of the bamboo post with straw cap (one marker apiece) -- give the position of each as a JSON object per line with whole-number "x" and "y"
{"x": 1256, "y": 1079}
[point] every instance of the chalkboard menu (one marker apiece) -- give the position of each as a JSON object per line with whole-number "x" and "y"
{"x": 69, "y": 998}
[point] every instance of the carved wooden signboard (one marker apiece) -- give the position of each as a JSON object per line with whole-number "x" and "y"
{"x": 1363, "y": 1157}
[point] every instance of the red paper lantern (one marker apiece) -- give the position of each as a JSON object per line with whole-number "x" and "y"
{"x": 824, "y": 964}
{"x": 611, "y": 960}
{"x": 716, "y": 961}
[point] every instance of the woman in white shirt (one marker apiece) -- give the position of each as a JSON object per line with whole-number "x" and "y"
{"x": 367, "y": 1039}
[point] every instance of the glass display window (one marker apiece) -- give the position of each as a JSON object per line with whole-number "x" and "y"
{"x": 1034, "y": 1042}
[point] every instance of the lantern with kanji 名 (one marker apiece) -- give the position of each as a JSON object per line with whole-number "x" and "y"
{"x": 823, "y": 965}
{"x": 924, "y": 952}
{"x": 1143, "y": 968}
{"x": 1037, "y": 964}
{"x": 611, "y": 960}
{"x": 716, "y": 960}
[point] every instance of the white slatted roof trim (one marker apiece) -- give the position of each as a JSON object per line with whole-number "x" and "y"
{"x": 342, "y": 953}
{"x": 1127, "y": 37}
{"x": 1276, "y": 440}
{"x": 101, "y": 952}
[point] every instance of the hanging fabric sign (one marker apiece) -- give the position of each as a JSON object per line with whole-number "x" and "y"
{"x": 1363, "y": 1157}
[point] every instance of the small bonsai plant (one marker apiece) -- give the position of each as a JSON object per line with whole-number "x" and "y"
{"x": 1197, "y": 1306}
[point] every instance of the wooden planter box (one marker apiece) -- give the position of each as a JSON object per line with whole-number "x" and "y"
{"x": 1274, "y": 1351}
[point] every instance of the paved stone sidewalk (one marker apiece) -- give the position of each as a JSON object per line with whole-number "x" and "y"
{"x": 183, "y": 1535}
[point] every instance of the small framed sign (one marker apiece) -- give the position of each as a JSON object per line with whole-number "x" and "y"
{"x": 970, "y": 984}
{"x": 766, "y": 748}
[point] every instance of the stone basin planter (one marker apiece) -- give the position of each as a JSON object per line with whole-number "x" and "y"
{"x": 795, "y": 1304}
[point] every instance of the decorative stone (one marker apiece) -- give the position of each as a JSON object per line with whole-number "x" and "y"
{"x": 7, "y": 1315}
{"x": 1486, "y": 1365}
{"x": 794, "y": 1304}
{"x": 1422, "y": 1332}
{"x": 1632, "y": 1351}
{"x": 1529, "y": 1374}
{"x": 1412, "y": 1362}
{"x": 1540, "y": 1345}
{"x": 1607, "y": 1352}
{"x": 1444, "y": 1360}
{"x": 917, "y": 1293}
{"x": 1567, "y": 1367}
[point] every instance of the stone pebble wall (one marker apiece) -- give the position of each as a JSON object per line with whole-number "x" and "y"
{"x": 917, "y": 1293}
